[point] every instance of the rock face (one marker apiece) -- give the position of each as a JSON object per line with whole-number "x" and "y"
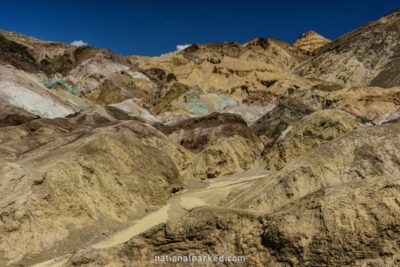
{"x": 223, "y": 144}
{"x": 17, "y": 55}
{"x": 287, "y": 154}
{"x": 372, "y": 103}
{"x": 310, "y": 41}
{"x": 280, "y": 119}
{"x": 366, "y": 56}
{"x": 197, "y": 133}
{"x": 358, "y": 155}
{"x": 308, "y": 133}
{"x": 18, "y": 90}
{"x": 137, "y": 107}
{"x": 326, "y": 220}
{"x": 227, "y": 155}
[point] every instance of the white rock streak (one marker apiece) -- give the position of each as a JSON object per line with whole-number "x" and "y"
{"x": 32, "y": 102}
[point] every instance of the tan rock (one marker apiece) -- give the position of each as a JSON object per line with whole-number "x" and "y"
{"x": 363, "y": 153}
{"x": 310, "y": 132}
{"x": 85, "y": 181}
{"x": 228, "y": 155}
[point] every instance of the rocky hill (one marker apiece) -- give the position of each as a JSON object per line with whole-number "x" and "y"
{"x": 287, "y": 154}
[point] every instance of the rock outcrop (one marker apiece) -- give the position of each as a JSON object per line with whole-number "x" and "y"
{"x": 308, "y": 133}
{"x": 227, "y": 155}
{"x": 280, "y": 119}
{"x": 223, "y": 144}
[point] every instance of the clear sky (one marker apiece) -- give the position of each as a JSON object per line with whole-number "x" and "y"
{"x": 156, "y": 27}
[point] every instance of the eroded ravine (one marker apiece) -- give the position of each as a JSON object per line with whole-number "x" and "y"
{"x": 198, "y": 193}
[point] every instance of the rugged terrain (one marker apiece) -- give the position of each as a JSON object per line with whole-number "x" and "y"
{"x": 287, "y": 154}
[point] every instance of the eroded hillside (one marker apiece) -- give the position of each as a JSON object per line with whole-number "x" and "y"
{"x": 287, "y": 154}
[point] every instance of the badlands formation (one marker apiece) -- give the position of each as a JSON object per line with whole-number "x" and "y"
{"x": 287, "y": 154}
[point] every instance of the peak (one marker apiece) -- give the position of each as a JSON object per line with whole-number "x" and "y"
{"x": 310, "y": 41}
{"x": 265, "y": 42}
{"x": 258, "y": 41}
{"x": 393, "y": 13}
{"x": 309, "y": 34}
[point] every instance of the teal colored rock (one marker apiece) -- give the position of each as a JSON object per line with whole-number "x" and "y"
{"x": 223, "y": 102}
{"x": 50, "y": 83}
{"x": 194, "y": 104}
{"x": 197, "y": 107}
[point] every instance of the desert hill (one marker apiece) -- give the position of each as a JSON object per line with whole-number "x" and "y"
{"x": 285, "y": 153}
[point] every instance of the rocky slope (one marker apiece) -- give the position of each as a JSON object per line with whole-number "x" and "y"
{"x": 368, "y": 55}
{"x": 224, "y": 77}
{"x": 334, "y": 209}
{"x": 70, "y": 176}
{"x": 287, "y": 154}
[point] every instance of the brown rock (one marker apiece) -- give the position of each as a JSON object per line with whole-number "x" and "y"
{"x": 308, "y": 133}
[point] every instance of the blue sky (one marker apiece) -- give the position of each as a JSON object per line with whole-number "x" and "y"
{"x": 156, "y": 27}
